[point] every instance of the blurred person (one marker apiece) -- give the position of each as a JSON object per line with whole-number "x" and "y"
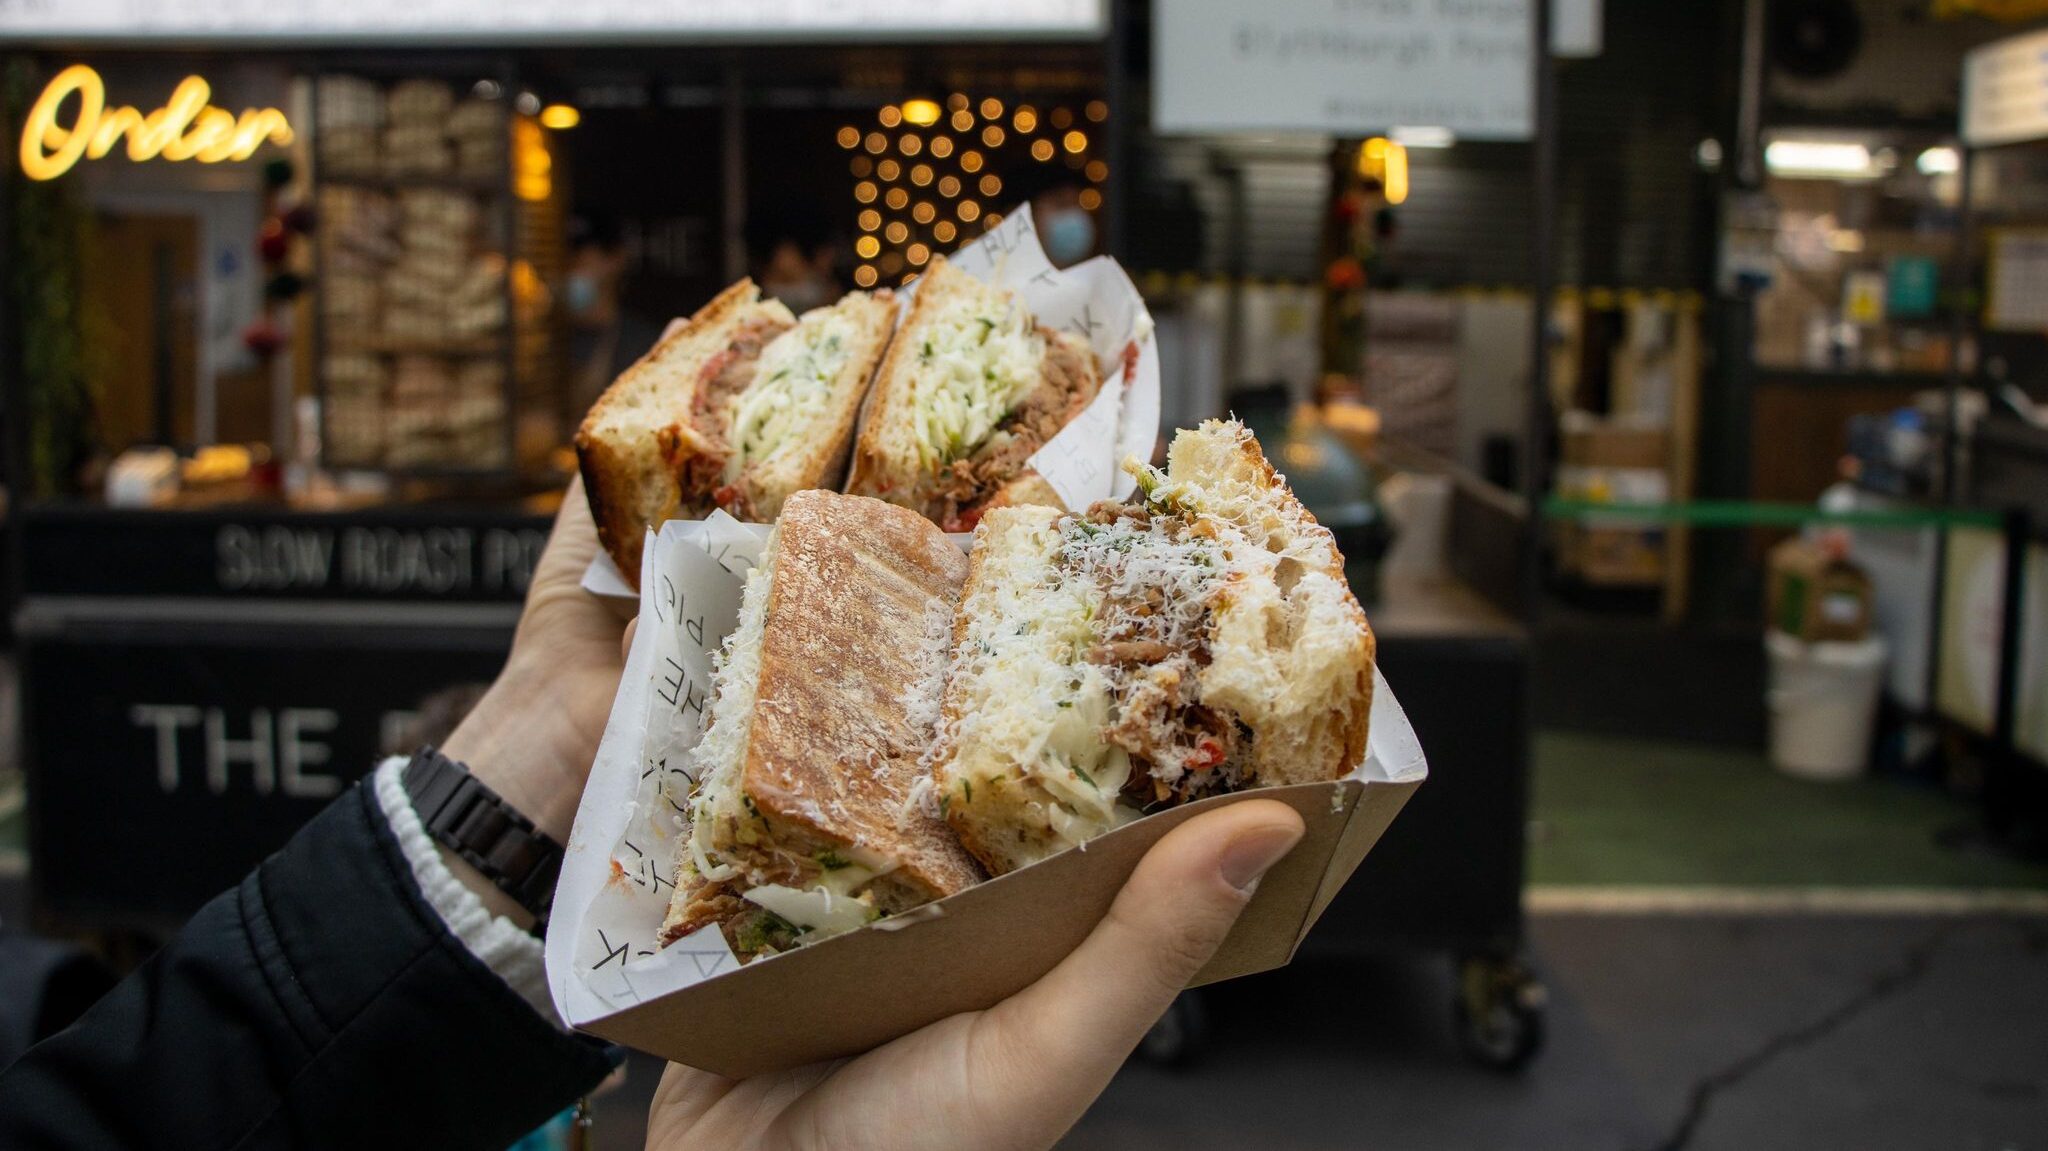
{"x": 367, "y": 987}
{"x": 590, "y": 300}
{"x": 1065, "y": 227}
{"x": 801, "y": 279}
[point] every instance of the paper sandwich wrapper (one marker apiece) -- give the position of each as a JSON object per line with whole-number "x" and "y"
{"x": 1095, "y": 299}
{"x": 694, "y": 1004}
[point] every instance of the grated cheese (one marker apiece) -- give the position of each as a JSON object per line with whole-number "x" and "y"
{"x": 722, "y": 751}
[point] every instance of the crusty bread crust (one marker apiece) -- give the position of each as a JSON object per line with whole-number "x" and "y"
{"x": 1027, "y": 490}
{"x": 834, "y": 748}
{"x": 629, "y": 471}
{"x": 1310, "y": 747}
{"x": 882, "y": 464}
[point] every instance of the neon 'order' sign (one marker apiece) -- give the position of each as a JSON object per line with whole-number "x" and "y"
{"x": 185, "y": 128}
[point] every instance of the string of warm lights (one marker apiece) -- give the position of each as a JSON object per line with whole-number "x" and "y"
{"x": 922, "y": 174}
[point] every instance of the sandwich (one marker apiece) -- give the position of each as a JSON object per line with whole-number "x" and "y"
{"x": 822, "y": 705}
{"x": 1198, "y": 640}
{"x": 739, "y": 407}
{"x": 971, "y": 387}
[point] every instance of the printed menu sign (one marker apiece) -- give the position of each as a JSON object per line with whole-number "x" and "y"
{"x": 2005, "y": 91}
{"x": 1351, "y": 67}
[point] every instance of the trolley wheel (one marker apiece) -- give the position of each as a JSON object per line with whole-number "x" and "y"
{"x": 1498, "y": 1012}
{"x": 1177, "y": 1037}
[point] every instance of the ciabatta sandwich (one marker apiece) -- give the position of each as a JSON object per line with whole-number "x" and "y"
{"x": 822, "y": 705}
{"x": 1197, "y": 641}
{"x": 736, "y": 409}
{"x": 971, "y": 387}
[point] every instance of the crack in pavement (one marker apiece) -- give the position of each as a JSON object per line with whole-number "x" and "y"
{"x": 1919, "y": 958}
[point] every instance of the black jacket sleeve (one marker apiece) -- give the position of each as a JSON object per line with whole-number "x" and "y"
{"x": 322, "y": 1003}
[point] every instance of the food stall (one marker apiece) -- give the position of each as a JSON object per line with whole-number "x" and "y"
{"x": 297, "y": 381}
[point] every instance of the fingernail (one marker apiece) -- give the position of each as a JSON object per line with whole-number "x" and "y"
{"x": 1253, "y": 853}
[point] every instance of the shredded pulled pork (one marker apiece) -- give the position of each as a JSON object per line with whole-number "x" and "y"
{"x": 1160, "y": 576}
{"x": 1067, "y": 384}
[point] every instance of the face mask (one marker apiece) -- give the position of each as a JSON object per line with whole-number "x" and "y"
{"x": 581, "y": 295}
{"x": 1069, "y": 235}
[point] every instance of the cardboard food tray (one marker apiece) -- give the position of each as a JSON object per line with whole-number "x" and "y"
{"x": 694, "y": 1004}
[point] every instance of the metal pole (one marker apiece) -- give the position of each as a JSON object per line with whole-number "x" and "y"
{"x": 2005, "y": 712}
{"x": 734, "y": 141}
{"x": 1959, "y": 330}
{"x": 1115, "y": 137}
{"x": 1236, "y": 265}
{"x": 14, "y": 388}
{"x": 1542, "y": 260}
{"x": 1749, "y": 97}
{"x": 1951, "y": 493}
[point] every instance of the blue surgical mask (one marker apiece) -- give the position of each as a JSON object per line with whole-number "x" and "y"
{"x": 1069, "y": 235}
{"x": 581, "y": 295}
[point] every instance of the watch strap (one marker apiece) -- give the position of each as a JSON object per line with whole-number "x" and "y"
{"x": 460, "y": 812}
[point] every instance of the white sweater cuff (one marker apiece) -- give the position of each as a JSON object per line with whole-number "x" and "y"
{"x": 514, "y": 955}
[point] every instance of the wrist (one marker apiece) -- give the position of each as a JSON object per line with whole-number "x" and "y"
{"x": 521, "y": 743}
{"x": 494, "y": 898}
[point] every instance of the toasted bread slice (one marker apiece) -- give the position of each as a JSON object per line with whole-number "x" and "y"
{"x": 638, "y": 437}
{"x": 1201, "y": 641}
{"x": 971, "y": 387}
{"x": 823, "y": 704}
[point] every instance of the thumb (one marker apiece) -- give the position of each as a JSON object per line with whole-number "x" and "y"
{"x": 1091, "y": 1010}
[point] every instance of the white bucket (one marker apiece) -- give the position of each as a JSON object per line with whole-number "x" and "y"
{"x": 1420, "y": 506}
{"x": 1823, "y": 704}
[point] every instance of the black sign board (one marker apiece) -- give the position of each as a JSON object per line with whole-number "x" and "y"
{"x": 265, "y": 553}
{"x": 167, "y": 759}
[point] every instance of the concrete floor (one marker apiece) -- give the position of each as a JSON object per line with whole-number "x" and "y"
{"x": 1665, "y": 1032}
{"x": 1744, "y": 1033}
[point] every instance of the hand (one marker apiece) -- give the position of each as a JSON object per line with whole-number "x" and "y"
{"x": 1016, "y": 1076}
{"x": 533, "y": 735}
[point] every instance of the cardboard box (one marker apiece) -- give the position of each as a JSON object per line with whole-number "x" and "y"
{"x": 1609, "y": 463}
{"x": 692, "y": 1003}
{"x": 1613, "y": 556}
{"x": 1816, "y": 593}
{"x": 1589, "y": 442}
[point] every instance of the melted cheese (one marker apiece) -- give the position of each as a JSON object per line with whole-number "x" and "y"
{"x": 827, "y": 908}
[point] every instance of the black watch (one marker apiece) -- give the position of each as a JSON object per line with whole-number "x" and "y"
{"x": 476, "y": 823}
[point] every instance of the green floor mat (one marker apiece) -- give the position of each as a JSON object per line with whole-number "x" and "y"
{"x": 1628, "y": 812}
